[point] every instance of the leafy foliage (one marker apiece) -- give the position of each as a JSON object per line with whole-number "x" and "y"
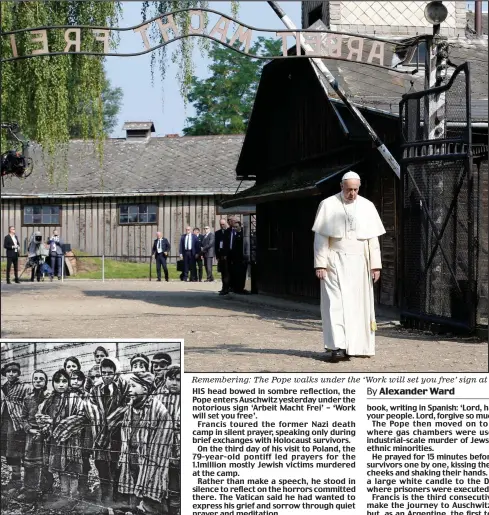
{"x": 111, "y": 105}
{"x": 224, "y": 101}
{"x": 183, "y": 50}
{"x": 43, "y": 94}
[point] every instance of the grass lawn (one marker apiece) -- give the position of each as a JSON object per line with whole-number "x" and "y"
{"x": 91, "y": 268}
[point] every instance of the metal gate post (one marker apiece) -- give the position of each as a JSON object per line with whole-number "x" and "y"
{"x": 434, "y": 128}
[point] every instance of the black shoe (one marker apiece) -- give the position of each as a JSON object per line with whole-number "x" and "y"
{"x": 166, "y": 280}
{"x": 158, "y": 280}
{"x": 340, "y": 354}
{"x": 59, "y": 278}
{"x": 8, "y": 281}
{"x": 223, "y": 293}
{"x": 17, "y": 281}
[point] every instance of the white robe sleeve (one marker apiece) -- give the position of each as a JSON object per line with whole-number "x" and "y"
{"x": 321, "y": 249}
{"x": 374, "y": 250}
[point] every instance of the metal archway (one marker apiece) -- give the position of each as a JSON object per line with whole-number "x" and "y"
{"x": 317, "y": 46}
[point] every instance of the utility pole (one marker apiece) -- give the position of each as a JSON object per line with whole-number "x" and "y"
{"x": 478, "y": 18}
{"x": 433, "y": 174}
{"x": 320, "y": 68}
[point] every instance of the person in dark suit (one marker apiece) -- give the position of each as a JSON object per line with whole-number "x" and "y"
{"x": 208, "y": 252}
{"x": 237, "y": 260}
{"x": 189, "y": 248}
{"x": 11, "y": 245}
{"x": 221, "y": 248}
{"x": 161, "y": 249}
{"x": 56, "y": 254}
{"x": 198, "y": 257}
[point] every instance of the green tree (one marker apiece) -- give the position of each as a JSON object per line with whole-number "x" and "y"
{"x": 111, "y": 105}
{"x": 42, "y": 93}
{"x": 182, "y": 51}
{"x": 223, "y": 102}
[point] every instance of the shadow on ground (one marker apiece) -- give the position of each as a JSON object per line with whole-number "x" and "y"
{"x": 299, "y": 318}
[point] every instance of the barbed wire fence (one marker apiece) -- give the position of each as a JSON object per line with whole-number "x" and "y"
{"x": 50, "y": 356}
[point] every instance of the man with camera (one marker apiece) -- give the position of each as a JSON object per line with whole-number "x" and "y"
{"x": 55, "y": 254}
{"x": 11, "y": 245}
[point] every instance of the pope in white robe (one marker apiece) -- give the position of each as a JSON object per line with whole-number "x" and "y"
{"x": 347, "y": 262}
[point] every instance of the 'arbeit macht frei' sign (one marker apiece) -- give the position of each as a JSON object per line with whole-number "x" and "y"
{"x": 226, "y": 31}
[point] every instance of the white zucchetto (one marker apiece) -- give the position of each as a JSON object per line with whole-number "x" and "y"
{"x": 350, "y": 175}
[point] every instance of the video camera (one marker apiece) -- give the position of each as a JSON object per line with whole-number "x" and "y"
{"x": 13, "y": 163}
{"x": 37, "y": 238}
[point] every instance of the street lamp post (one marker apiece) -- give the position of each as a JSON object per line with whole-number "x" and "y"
{"x": 435, "y": 72}
{"x": 434, "y": 128}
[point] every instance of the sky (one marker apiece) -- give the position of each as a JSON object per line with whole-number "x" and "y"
{"x": 470, "y": 6}
{"x": 164, "y": 106}
{"x": 162, "y": 103}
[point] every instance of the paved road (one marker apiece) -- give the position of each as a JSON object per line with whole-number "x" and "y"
{"x": 222, "y": 334}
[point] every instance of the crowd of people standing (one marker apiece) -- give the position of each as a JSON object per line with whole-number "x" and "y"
{"x": 128, "y": 424}
{"x": 197, "y": 253}
{"x": 43, "y": 257}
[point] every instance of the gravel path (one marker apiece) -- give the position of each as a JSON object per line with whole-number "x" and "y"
{"x": 222, "y": 334}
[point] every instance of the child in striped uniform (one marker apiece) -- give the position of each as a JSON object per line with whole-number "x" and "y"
{"x": 147, "y": 435}
{"x": 78, "y": 380}
{"x": 172, "y": 404}
{"x": 159, "y": 364}
{"x": 62, "y": 457}
{"x": 34, "y": 482}
{"x": 139, "y": 364}
{"x": 12, "y": 434}
{"x": 93, "y": 375}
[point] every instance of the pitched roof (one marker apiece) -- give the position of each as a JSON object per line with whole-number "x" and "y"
{"x": 195, "y": 165}
{"x": 305, "y": 180}
{"x": 382, "y": 89}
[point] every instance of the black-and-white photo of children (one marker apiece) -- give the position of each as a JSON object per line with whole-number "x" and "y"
{"x": 113, "y": 449}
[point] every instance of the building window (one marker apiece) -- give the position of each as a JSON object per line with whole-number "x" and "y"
{"x": 419, "y": 55}
{"x": 42, "y": 215}
{"x": 137, "y": 214}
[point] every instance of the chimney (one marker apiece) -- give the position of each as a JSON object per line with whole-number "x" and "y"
{"x": 138, "y": 131}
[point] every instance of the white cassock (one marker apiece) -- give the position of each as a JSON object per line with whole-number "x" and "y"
{"x": 346, "y": 244}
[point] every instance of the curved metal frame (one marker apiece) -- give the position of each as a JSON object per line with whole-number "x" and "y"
{"x": 400, "y": 44}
